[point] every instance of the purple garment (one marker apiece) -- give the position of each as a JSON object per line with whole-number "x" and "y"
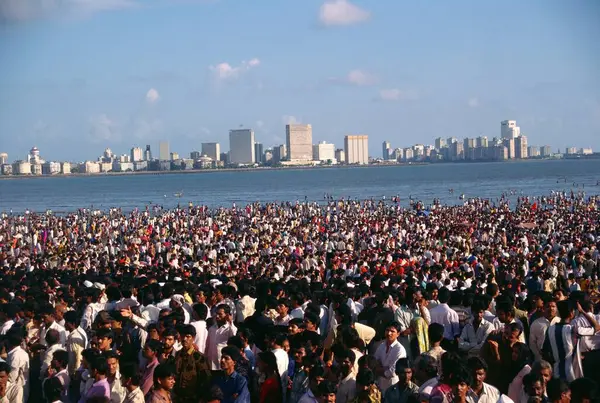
{"x": 100, "y": 388}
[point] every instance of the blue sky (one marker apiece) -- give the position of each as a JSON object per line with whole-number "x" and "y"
{"x": 82, "y": 75}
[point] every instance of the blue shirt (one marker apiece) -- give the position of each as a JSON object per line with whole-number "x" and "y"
{"x": 232, "y": 385}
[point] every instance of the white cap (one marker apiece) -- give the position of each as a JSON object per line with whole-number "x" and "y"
{"x": 88, "y": 283}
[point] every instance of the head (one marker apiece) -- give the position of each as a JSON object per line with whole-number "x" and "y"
{"x": 364, "y": 380}
{"x": 543, "y": 368}
{"x": 460, "y": 381}
{"x": 550, "y": 309}
{"x": 558, "y": 391}
{"x": 169, "y": 337}
{"x": 404, "y": 371}
{"x": 60, "y": 360}
{"x": 534, "y": 385}
{"x": 295, "y": 326}
{"x": 566, "y": 310}
{"x": 345, "y": 359}
{"x": 229, "y": 356}
{"x": 478, "y": 369}
{"x": 391, "y": 332}
{"x": 267, "y": 363}
{"x": 188, "y": 336}
{"x": 326, "y": 392}
{"x": 164, "y": 377}
{"x": 512, "y": 332}
{"x": 4, "y": 372}
{"x": 152, "y": 349}
{"x": 105, "y": 339}
{"x": 223, "y": 314}
{"x": 112, "y": 361}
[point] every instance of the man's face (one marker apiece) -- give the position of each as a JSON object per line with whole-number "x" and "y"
{"x": 293, "y": 329}
{"x": 328, "y": 398}
{"x": 346, "y": 365}
{"x": 511, "y": 336}
{"x": 299, "y": 354}
{"x": 405, "y": 376}
{"x": 480, "y": 376}
{"x": 148, "y": 353}
{"x": 478, "y": 316}
{"x": 48, "y": 319}
{"x": 537, "y": 389}
{"x": 153, "y": 334}
{"x": 113, "y": 366}
{"x": 391, "y": 334}
{"x": 502, "y": 316}
{"x": 227, "y": 363}
{"x": 546, "y": 374}
{"x": 309, "y": 325}
{"x": 104, "y": 343}
{"x": 3, "y": 378}
{"x": 551, "y": 309}
{"x": 169, "y": 342}
{"x": 461, "y": 389}
{"x": 434, "y": 295}
{"x": 188, "y": 341}
{"x": 221, "y": 316}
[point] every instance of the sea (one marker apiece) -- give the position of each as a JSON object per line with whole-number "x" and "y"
{"x": 226, "y": 188}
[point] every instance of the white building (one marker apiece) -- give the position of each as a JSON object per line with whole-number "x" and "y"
{"x": 51, "y": 168}
{"x": 324, "y": 152}
{"x": 89, "y": 167}
{"x": 509, "y": 129}
{"x": 137, "y": 154}
{"x": 212, "y": 150}
{"x": 3, "y": 158}
{"x": 357, "y": 149}
{"x": 21, "y": 168}
{"x": 521, "y": 147}
{"x": 299, "y": 142}
{"x": 241, "y": 146}
{"x": 163, "y": 151}
{"x": 586, "y": 151}
{"x": 65, "y": 168}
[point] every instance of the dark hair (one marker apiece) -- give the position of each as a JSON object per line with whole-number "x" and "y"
{"x": 312, "y": 318}
{"x": 110, "y": 355}
{"x": 214, "y": 393}
{"x": 52, "y": 388}
{"x": 187, "y": 330}
{"x": 62, "y": 357}
{"x": 104, "y": 333}
{"x": 584, "y": 389}
{"x": 226, "y": 308}
{"x": 460, "y": 375}
{"x": 201, "y": 311}
{"x": 100, "y": 365}
{"x": 555, "y": 388}
{"x": 4, "y": 367}
{"x": 365, "y": 377}
{"x": 565, "y": 308}
{"x": 326, "y": 388}
{"x": 231, "y": 351}
{"x": 163, "y": 371}
{"x": 52, "y": 337}
{"x": 435, "y": 333}
{"x": 444, "y": 295}
{"x": 154, "y": 345}
{"x": 402, "y": 364}
{"x": 128, "y": 371}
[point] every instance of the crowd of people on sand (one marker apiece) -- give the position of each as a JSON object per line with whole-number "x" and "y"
{"x": 347, "y": 301}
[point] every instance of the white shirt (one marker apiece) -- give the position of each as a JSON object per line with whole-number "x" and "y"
{"x": 471, "y": 340}
{"x": 201, "y": 335}
{"x": 283, "y": 362}
{"x": 499, "y": 326}
{"x": 47, "y": 358}
{"x": 537, "y": 335}
{"x": 446, "y": 316}
{"x": 297, "y": 313}
{"x": 61, "y": 331}
{"x": 6, "y": 326}
{"x": 18, "y": 359}
{"x": 388, "y": 357}
{"x": 216, "y": 340}
{"x": 589, "y": 340}
{"x": 489, "y": 394}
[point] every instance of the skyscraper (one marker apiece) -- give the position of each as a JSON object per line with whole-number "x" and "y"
{"x": 357, "y": 149}
{"x": 212, "y": 150}
{"x": 163, "y": 151}
{"x": 521, "y": 147}
{"x": 386, "y": 149}
{"x": 241, "y": 146}
{"x": 258, "y": 153}
{"x": 299, "y": 142}
{"x": 509, "y": 129}
{"x": 324, "y": 152}
{"x": 136, "y": 154}
{"x": 148, "y": 153}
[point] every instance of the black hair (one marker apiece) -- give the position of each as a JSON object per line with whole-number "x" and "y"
{"x": 129, "y": 371}
{"x": 62, "y": 357}
{"x": 435, "y": 333}
{"x": 163, "y": 371}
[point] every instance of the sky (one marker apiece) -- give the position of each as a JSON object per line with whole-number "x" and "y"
{"x": 78, "y": 76}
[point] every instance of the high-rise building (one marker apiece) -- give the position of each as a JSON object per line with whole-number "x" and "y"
{"x": 521, "y": 147}
{"x": 299, "y": 142}
{"x": 148, "y": 153}
{"x": 258, "y": 153}
{"x": 533, "y": 151}
{"x": 324, "y": 152}
{"x": 457, "y": 151}
{"x": 357, "y": 149}
{"x": 408, "y": 154}
{"x": 163, "y": 151}
{"x": 137, "y": 154}
{"x": 509, "y": 143}
{"x": 241, "y": 146}
{"x": 386, "y": 150}
{"x": 340, "y": 155}
{"x": 440, "y": 143}
{"x": 195, "y": 155}
{"x": 546, "y": 151}
{"x": 3, "y": 158}
{"x": 279, "y": 153}
{"x": 481, "y": 141}
{"x": 509, "y": 129}
{"x": 212, "y": 150}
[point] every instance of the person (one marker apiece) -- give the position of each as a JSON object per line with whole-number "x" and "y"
{"x": 481, "y": 392}
{"x": 347, "y": 380}
{"x": 58, "y": 369}
{"x": 130, "y": 381}
{"x": 52, "y": 343}
{"x": 559, "y": 345}
{"x": 475, "y": 332}
{"x": 298, "y": 378}
{"x": 283, "y": 360}
{"x": 271, "y": 389}
{"x": 534, "y": 386}
{"x": 191, "y": 367}
{"x": 459, "y": 383}
{"x": 499, "y": 353}
{"x": 425, "y": 373}
{"x": 315, "y": 377}
{"x": 505, "y": 315}
{"x": 199, "y": 314}
{"x": 151, "y": 352}
{"x": 539, "y": 327}
{"x": 49, "y": 322}
{"x": 447, "y": 317}
{"x": 558, "y": 391}
{"x": 218, "y": 334}
{"x": 9, "y": 392}
{"x": 404, "y": 390}
{"x": 233, "y": 385}
{"x": 18, "y": 359}
{"x": 327, "y": 392}
{"x": 113, "y": 376}
{"x": 164, "y": 381}
{"x": 53, "y": 390}
{"x": 366, "y": 388}
{"x": 100, "y": 386}
{"x": 387, "y": 354}
{"x": 436, "y": 337}
{"x": 76, "y": 341}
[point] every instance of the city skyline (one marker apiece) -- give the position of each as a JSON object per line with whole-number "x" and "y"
{"x": 87, "y": 75}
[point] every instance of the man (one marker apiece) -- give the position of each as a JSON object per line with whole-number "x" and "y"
{"x": 475, "y": 332}
{"x": 164, "y": 381}
{"x": 447, "y": 317}
{"x": 130, "y": 380}
{"x": 117, "y": 391}
{"x": 387, "y": 354}
{"x": 76, "y": 341}
{"x": 105, "y": 339}
{"x": 9, "y": 392}
{"x": 505, "y": 312}
{"x": 18, "y": 359}
{"x": 199, "y": 314}
{"x": 404, "y": 389}
{"x": 283, "y": 318}
{"x": 151, "y": 352}
{"x": 191, "y": 368}
{"x": 283, "y": 359}
{"x": 100, "y": 388}
{"x": 52, "y": 341}
{"x": 218, "y": 334}
{"x": 498, "y": 354}
{"x": 315, "y": 377}
{"x": 481, "y": 392}
{"x": 589, "y": 342}
{"x": 347, "y": 386}
{"x": 8, "y": 313}
{"x": 537, "y": 332}
{"x": 233, "y": 385}
{"x": 559, "y": 346}
{"x": 58, "y": 369}
{"x": 170, "y": 346}
{"x": 49, "y": 322}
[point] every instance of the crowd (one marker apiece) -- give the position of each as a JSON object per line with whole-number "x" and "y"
{"x": 348, "y": 302}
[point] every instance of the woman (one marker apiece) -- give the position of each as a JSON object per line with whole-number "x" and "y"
{"x": 271, "y": 390}
{"x": 519, "y": 369}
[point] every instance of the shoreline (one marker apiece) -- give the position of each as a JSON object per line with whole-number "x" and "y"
{"x": 279, "y": 168}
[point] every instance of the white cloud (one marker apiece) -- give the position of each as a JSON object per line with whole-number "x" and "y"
{"x": 473, "y": 102}
{"x": 152, "y": 96}
{"x": 225, "y": 71}
{"x": 289, "y": 120}
{"x": 147, "y": 128}
{"x": 359, "y": 77}
{"x": 341, "y": 12}
{"x": 25, "y": 10}
{"x": 103, "y": 129}
{"x": 394, "y": 94}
